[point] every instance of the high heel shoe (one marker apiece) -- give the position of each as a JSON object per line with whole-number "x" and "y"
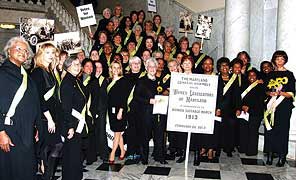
{"x": 121, "y": 158}
{"x": 111, "y": 161}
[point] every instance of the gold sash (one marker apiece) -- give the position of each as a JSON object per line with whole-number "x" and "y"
{"x": 127, "y": 37}
{"x": 229, "y": 83}
{"x": 101, "y": 79}
{"x": 158, "y": 30}
{"x": 118, "y": 49}
{"x": 199, "y": 60}
{"x": 112, "y": 84}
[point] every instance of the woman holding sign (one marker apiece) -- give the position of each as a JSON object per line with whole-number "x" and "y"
{"x": 280, "y": 87}
{"x": 74, "y": 106}
{"x": 48, "y": 86}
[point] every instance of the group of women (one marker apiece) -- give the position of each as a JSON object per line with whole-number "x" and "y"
{"x": 131, "y": 62}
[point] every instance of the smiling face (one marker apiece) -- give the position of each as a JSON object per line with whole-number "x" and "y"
{"x": 187, "y": 65}
{"x": 135, "y": 66}
{"x": 115, "y": 69}
{"x": 88, "y": 68}
{"x": 280, "y": 62}
{"x": 151, "y": 68}
{"x": 237, "y": 68}
{"x": 18, "y": 53}
{"x": 207, "y": 66}
{"x": 94, "y": 55}
{"x": 266, "y": 68}
{"x": 252, "y": 77}
{"x": 224, "y": 68}
{"x": 99, "y": 68}
{"x": 149, "y": 43}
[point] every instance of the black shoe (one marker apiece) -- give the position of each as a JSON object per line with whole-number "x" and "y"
{"x": 131, "y": 161}
{"x": 161, "y": 161}
{"x": 196, "y": 161}
{"x": 181, "y": 159}
{"x": 281, "y": 162}
{"x": 179, "y": 153}
{"x": 269, "y": 158}
{"x": 229, "y": 154}
{"x": 170, "y": 157}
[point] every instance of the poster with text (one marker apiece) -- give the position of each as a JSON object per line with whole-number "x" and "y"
{"x": 151, "y": 5}
{"x": 36, "y": 30}
{"x": 192, "y": 103}
{"x": 69, "y": 42}
{"x": 204, "y": 27}
{"x": 86, "y": 15}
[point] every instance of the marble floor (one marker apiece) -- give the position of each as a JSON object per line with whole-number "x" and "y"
{"x": 238, "y": 167}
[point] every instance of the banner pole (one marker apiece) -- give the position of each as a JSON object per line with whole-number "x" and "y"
{"x": 202, "y": 41}
{"x": 89, "y": 29}
{"x": 187, "y": 150}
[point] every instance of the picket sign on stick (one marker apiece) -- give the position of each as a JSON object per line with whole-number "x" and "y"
{"x": 187, "y": 150}
{"x": 86, "y": 16}
{"x": 202, "y": 42}
{"x": 89, "y": 29}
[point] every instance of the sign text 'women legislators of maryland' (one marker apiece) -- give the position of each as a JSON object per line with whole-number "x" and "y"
{"x": 192, "y": 103}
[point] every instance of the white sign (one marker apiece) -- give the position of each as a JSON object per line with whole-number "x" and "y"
{"x": 86, "y": 15}
{"x": 192, "y": 103}
{"x": 152, "y": 5}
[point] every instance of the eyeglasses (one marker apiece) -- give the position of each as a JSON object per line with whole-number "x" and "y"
{"x": 21, "y": 50}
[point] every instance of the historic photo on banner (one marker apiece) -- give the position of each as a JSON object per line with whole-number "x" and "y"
{"x": 69, "y": 42}
{"x": 36, "y": 30}
{"x": 192, "y": 103}
{"x": 186, "y": 22}
{"x": 204, "y": 27}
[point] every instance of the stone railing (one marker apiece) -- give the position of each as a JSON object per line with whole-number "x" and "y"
{"x": 66, "y": 14}
{"x": 24, "y": 5}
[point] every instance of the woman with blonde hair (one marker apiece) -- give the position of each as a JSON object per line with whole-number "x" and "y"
{"x": 47, "y": 86}
{"x": 117, "y": 108}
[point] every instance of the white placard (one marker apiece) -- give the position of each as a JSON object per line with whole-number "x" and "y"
{"x": 151, "y": 5}
{"x": 244, "y": 116}
{"x": 86, "y": 15}
{"x": 161, "y": 107}
{"x": 192, "y": 103}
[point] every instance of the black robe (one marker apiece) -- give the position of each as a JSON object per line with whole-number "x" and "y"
{"x": 19, "y": 163}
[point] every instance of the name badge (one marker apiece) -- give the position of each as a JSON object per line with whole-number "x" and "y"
{"x": 113, "y": 110}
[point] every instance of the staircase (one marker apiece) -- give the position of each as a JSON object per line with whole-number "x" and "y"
{"x": 62, "y": 11}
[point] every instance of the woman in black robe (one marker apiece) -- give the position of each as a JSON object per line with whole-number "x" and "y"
{"x": 253, "y": 103}
{"x": 117, "y": 101}
{"x": 74, "y": 106}
{"x": 47, "y": 85}
{"x": 280, "y": 87}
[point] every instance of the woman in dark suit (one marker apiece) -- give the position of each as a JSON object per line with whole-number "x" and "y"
{"x": 47, "y": 85}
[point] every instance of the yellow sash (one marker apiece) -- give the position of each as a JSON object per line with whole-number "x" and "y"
{"x": 127, "y": 37}
{"x": 139, "y": 43}
{"x": 165, "y": 78}
{"x": 112, "y": 84}
{"x": 199, "y": 60}
{"x": 158, "y": 30}
{"x": 101, "y": 79}
{"x": 17, "y": 97}
{"x": 174, "y": 49}
{"x": 131, "y": 95}
{"x": 86, "y": 80}
{"x": 254, "y": 84}
{"x": 100, "y": 51}
{"x": 118, "y": 49}
{"x": 229, "y": 83}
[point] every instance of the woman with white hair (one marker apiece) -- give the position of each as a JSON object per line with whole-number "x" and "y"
{"x": 103, "y": 22}
{"x": 20, "y": 113}
{"x": 48, "y": 87}
{"x": 144, "y": 94}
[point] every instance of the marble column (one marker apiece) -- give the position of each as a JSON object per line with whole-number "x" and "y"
{"x": 286, "y": 35}
{"x": 286, "y": 31}
{"x": 237, "y": 27}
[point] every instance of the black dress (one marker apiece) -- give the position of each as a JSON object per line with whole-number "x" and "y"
{"x": 72, "y": 97}
{"x": 19, "y": 163}
{"x": 277, "y": 138}
{"x": 117, "y": 98}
